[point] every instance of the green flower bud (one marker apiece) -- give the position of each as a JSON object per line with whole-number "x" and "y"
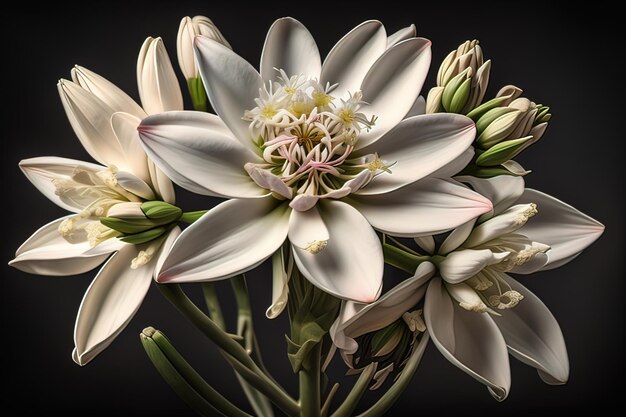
{"x": 128, "y": 226}
{"x": 144, "y": 237}
{"x": 161, "y": 212}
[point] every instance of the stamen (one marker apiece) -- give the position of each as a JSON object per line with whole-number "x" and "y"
{"x": 506, "y": 300}
{"x": 98, "y": 233}
{"x": 67, "y": 227}
{"x": 526, "y": 214}
{"x": 414, "y": 320}
{"x": 316, "y": 246}
{"x": 478, "y": 307}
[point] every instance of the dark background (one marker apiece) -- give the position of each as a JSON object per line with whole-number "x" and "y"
{"x": 566, "y": 58}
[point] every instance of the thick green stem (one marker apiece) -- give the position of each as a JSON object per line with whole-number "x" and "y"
{"x": 213, "y": 304}
{"x": 391, "y": 396}
{"x": 191, "y": 216}
{"x": 355, "y": 395}
{"x": 309, "y": 377}
{"x": 402, "y": 260}
{"x": 245, "y": 366}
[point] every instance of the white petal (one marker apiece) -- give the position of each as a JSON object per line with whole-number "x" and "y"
{"x": 90, "y": 118}
{"x": 534, "y": 336}
{"x": 418, "y": 147}
{"x": 46, "y": 252}
{"x": 135, "y": 185}
{"x": 158, "y": 86}
{"x": 265, "y": 179}
{"x": 280, "y": 285}
{"x": 418, "y": 108}
{"x": 358, "y": 319}
{"x": 106, "y": 91}
{"x": 456, "y": 165}
{"x": 508, "y": 221}
{"x": 199, "y": 154}
{"x": 351, "y": 58}
{"x": 503, "y": 190}
{"x": 124, "y": 126}
{"x": 306, "y": 228}
{"x": 393, "y": 84}
{"x": 457, "y": 237}
{"x": 289, "y": 46}
{"x": 463, "y": 264}
{"x": 161, "y": 183}
{"x": 351, "y": 266}
{"x": 470, "y": 341}
{"x": 230, "y": 239}
{"x": 41, "y": 171}
{"x": 427, "y": 207}
{"x": 232, "y": 84}
{"x": 427, "y": 243}
{"x": 566, "y": 230}
{"x": 110, "y": 303}
{"x": 401, "y": 35}
{"x": 184, "y": 48}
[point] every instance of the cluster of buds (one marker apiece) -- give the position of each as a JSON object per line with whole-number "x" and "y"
{"x": 389, "y": 347}
{"x": 462, "y": 81}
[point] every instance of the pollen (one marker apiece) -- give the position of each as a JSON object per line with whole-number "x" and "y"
{"x": 141, "y": 259}
{"x": 321, "y": 99}
{"x": 526, "y": 214}
{"x": 506, "y": 300}
{"x": 478, "y": 307}
{"x": 316, "y": 246}
{"x": 67, "y": 227}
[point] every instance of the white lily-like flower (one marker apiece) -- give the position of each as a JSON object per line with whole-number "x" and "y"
{"x": 105, "y": 119}
{"x": 473, "y": 310}
{"x": 318, "y": 154}
{"x": 190, "y": 27}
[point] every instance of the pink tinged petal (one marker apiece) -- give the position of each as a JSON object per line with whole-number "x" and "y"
{"x": 46, "y": 252}
{"x": 357, "y": 319}
{"x": 385, "y": 86}
{"x": 106, "y": 91}
{"x": 306, "y": 228}
{"x": 456, "y": 165}
{"x": 289, "y": 46}
{"x": 457, "y": 237}
{"x": 351, "y": 265}
{"x": 418, "y": 108}
{"x": 470, "y": 341}
{"x": 232, "y": 84}
{"x": 503, "y": 190}
{"x": 161, "y": 183}
{"x": 534, "y": 336}
{"x": 417, "y": 147}
{"x": 42, "y": 171}
{"x": 199, "y": 154}
{"x": 124, "y": 126}
{"x": 90, "y": 118}
{"x": 566, "y": 230}
{"x": 158, "y": 86}
{"x": 427, "y": 207}
{"x": 110, "y": 303}
{"x": 304, "y": 202}
{"x": 351, "y": 58}
{"x": 231, "y": 238}
{"x": 401, "y": 35}
{"x": 265, "y": 179}
{"x": 464, "y": 264}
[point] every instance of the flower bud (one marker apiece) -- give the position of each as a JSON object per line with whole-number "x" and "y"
{"x": 188, "y": 30}
{"x": 141, "y": 222}
{"x": 161, "y": 211}
{"x": 462, "y": 81}
{"x": 157, "y": 82}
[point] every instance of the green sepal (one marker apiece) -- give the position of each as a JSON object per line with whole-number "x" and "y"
{"x": 192, "y": 216}
{"x": 480, "y": 111}
{"x": 490, "y": 116}
{"x": 486, "y": 172}
{"x": 128, "y": 226}
{"x": 197, "y": 93}
{"x": 450, "y": 89}
{"x": 459, "y": 100}
{"x": 503, "y": 151}
{"x": 143, "y": 237}
{"x": 499, "y": 130}
{"x": 161, "y": 212}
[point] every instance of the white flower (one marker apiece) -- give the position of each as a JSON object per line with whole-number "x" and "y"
{"x": 105, "y": 120}
{"x": 474, "y": 311}
{"x": 188, "y": 30}
{"x": 320, "y": 171}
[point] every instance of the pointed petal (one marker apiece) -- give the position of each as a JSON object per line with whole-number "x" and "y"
{"x": 306, "y": 228}
{"x": 456, "y": 165}
{"x": 534, "y": 336}
{"x": 426, "y": 207}
{"x": 351, "y": 265}
{"x": 351, "y": 58}
{"x": 289, "y": 46}
{"x": 161, "y": 183}
{"x": 158, "y": 86}
{"x": 231, "y": 83}
{"x": 43, "y": 170}
{"x": 401, "y": 35}
{"x": 427, "y": 243}
{"x": 90, "y": 118}
{"x": 470, "y": 341}
{"x": 135, "y": 185}
{"x": 280, "y": 285}
{"x": 464, "y": 264}
{"x": 199, "y": 154}
{"x": 46, "y": 252}
{"x": 511, "y": 220}
{"x": 124, "y": 126}
{"x": 230, "y": 239}
{"x": 110, "y": 303}
{"x": 358, "y": 319}
{"x": 457, "y": 237}
{"x": 503, "y": 190}
{"x": 566, "y": 230}
{"x": 106, "y": 91}
{"x": 418, "y": 147}
{"x": 385, "y": 86}
{"x": 418, "y": 108}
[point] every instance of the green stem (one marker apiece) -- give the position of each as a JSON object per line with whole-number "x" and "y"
{"x": 309, "y": 377}
{"x": 329, "y": 400}
{"x": 402, "y": 260}
{"x": 213, "y": 304}
{"x": 198, "y": 94}
{"x": 191, "y": 216}
{"x": 254, "y": 375}
{"x": 398, "y": 387}
{"x": 355, "y": 395}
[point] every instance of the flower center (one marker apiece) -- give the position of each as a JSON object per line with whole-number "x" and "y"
{"x": 306, "y": 136}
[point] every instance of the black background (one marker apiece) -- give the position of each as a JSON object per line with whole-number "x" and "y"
{"x": 566, "y": 58}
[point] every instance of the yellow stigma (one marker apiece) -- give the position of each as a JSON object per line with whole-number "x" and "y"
{"x": 316, "y": 246}
{"x": 269, "y": 111}
{"x": 347, "y": 116}
{"x": 378, "y": 164}
{"x": 321, "y": 99}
